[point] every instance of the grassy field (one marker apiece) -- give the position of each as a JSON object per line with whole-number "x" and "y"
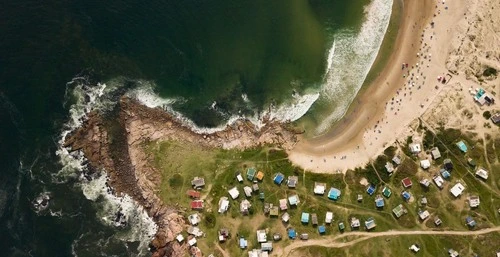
{"x": 181, "y": 162}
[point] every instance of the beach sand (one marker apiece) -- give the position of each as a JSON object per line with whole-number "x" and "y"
{"x": 398, "y": 96}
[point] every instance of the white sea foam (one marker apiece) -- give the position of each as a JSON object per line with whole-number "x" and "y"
{"x": 329, "y": 59}
{"x": 354, "y": 54}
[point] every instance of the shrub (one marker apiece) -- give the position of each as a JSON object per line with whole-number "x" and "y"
{"x": 487, "y": 115}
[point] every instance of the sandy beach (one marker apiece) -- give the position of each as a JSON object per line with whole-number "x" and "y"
{"x": 428, "y": 38}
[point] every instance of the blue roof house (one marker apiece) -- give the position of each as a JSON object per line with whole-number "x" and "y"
{"x": 406, "y": 195}
{"x": 470, "y": 222}
{"x": 461, "y": 145}
{"x": 379, "y": 202}
{"x": 243, "y": 243}
{"x": 321, "y": 229}
{"x": 445, "y": 174}
{"x": 333, "y": 194}
{"x": 292, "y": 234}
{"x": 371, "y": 189}
{"x": 278, "y": 179}
{"x": 305, "y": 217}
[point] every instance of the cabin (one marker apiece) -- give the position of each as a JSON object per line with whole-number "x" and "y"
{"x": 198, "y": 182}
{"x": 457, "y": 190}
{"x": 461, "y": 145}
{"x": 223, "y": 204}
{"x": 255, "y": 187}
{"x": 245, "y": 206}
{"x": 370, "y": 224}
{"x": 396, "y": 160}
{"x": 341, "y": 226}
{"x": 448, "y": 164}
{"x": 415, "y": 248}
{"x": 321, "y": 230}
{"x": 193, "y": 194}
{"x": 251, "y": 174}
{"x": 285, "y": 217}
{"x": 360, "y": 198}
{"x": 423, "y": 214}
{"x": 292, "y": 181}
{"x": 261, "y": 236}
{"x": 293, "y": 200}
{"x": 262, "y": 196}
{"x": 398, "y": 211}
{"x": 371, "y": 189}
{"x": 267, "y": 208}
{"x": 386, "y": 192}
{"x": 223, "y": 234}
{"x": 259, "y": 176}
{"x": 445, "y": 174}
{"x": 276, "y": 236}
{"x": 291, "y": 233}
{"x": 195, "y": 231}
{"x": 314, "y": 219}
{"x": 243, "y": 243}
{"x": 453, "y": 253}
{"x": 439, "y": 181}
{"x": 266, "y": 247}
{"x": 278, "y": 178}
{"x": 437, "y": 221}
{"x": 355, "y": 223}
{"x": 379, "y": 201}
{"x": 197, "y": 205}
{"x": 435, "y": 153}
{"x": 423, "y": 201}
{"x": 283, "y": 204}
{"x": 248, "y": 191}
{"x": 495, "y": 118}
{"x": 304, "y": 218}
{"x": 474, "y": 201}
{"x": 406, "y": 182}
{"x": 406, "y": 195}
{"x": 415, "y": 148}
{"x": 328, "y": 217}
{"x": 470, "y": 222}
{"x": 304, "y": 236}
{"x": 233, "y": 192}
{"x": 334, "y": 193}
{"x": 274, "y": 211}
{"x": 194, "y": 219}
{"x": 425, "y": 164}
{"x": 256, "y": 253}
{"x": 482, "y": 173}
{"x": 239, "y": 177}
{"x": 192, "y": 241}
{"x": 179, "y": 238}
{"x": 425, "y": 183}
{"x": 319, "y": 188}
{"x": 389, "y": 168}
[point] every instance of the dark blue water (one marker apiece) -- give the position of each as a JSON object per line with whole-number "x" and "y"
{"x": 201, "y": 51}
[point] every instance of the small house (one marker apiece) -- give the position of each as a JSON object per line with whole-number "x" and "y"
{"x": 195, "y": 231}
{"x": 328, "y": 217}
{"x": 425, "y": 183}
{"x": 439, "y": 181}
{"x": 370, "y": 224}
{"x": 423, "y": 214}
{"x": 425, "y": 164}
{"x": 251, "y": 173}
{"x": 291, "y": 233}
{"x": 371, "y": 189}
{"x": 223, "y": 234}
{"x": 415, "y": 248}
{"x": 314, "y": 219}
{"x": 192, "y": 241}
{"x": 198, "y": 182}
{"x": 386, "y": 191}
{"x": 304, "y": 236}
{"x": 248, "y": 191}
{"x": 304, "y": 218}
{"x": 319, "y": 188}
{"x": 245, "y": 206}
{"x": 389, "y": 168}
{"x": 461, "y": 145}
{"x": 267, "y": 208}
{"x": 193, "y": 194}
{"x": 243, "y": 243}
{"x": 255, "y": 187}
{"x": 285, "y": 217}
{"x": 415, "y": 148}
{"x": 398, "y": 211}
{"x": 197, "y": 205}
{"x": 267, "y": 247}
{"x": 423, "y": 201}
{"x": 470, "y": 222}
{"x": 274, "y": 211}
{"x": 239, "y": 178}
{"x": 379, "y": 201}
{"x": 293, "y": 200}
{"x": 448, "y": 164}
{"x": 233, "y": 192}
{"x": 341, "y": 226}
{"x": 435, "y": 153}
{"x": 321, "y": 230}
{"x": 406, "y": 195}
{"x": 276, "y": 236}
{"x": 194, "y": 219}
{"x": 457, "y": 189}
{"x": 482, "y": 173}
{"x": 259, "y": 176}
{"x": 223, "y": 204}
{"x": 471, "y": 162}
{"x": 283, "y": 205}
{"x": 495, "y": 118}
{"x": 262, "y": 195}
{"x": 437, "y": 221}
{"x": 179, "y": 238}
{"x": 355, "y": 223}
{"x": 278, "y": 178}
{"x": 396, "y": 160}
{"x": 406, "y": 182}
{"x": 445, "y": 174}
{"x": 453, "y": 253}
{"x": 474, "y": 201}
{"x": 261, "y": 236}
{"x": 333, "y": 194}
{"x": 360, "y": 198}
{"x": 292, "y": 181}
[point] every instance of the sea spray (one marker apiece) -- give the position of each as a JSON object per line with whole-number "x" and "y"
{"x": 352, "y": 58}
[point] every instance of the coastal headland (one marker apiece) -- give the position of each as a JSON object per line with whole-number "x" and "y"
{"x": 433, "y": 39}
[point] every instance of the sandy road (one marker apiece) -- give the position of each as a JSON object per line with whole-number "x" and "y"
{"x": 332, "y": 241}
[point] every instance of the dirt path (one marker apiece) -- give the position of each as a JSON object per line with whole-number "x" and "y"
{"x": 332, "y": 241}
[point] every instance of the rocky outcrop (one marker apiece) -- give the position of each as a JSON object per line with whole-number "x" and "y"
{"x": 115, "y": 144}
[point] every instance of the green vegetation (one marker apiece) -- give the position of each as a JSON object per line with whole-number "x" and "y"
{"x": 487, "y": 115}
{"x": 490, "y": 72}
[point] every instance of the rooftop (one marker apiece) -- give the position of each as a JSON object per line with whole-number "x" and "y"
{"x": 457, "y": 189}
{"x": 435, "y": 153}
{"x": 398, "y": 211}
{"x": 386, "y": 192}
{"x": 482, "y": 173}
{"x": 319, "y": 188}
{"x": 334, "y": 193}
{"x": 371, "y": 189}
{"x": 304, "y": 217}
{"x": 278, "y": 178}
{"x": 292, "y": 181}
{"x": 461, "y": 145}
{"x": 406, "y": 182}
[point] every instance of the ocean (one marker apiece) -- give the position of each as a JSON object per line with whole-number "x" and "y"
{"x": 208, "y": 62}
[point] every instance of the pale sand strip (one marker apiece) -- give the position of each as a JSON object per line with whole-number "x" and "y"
{"x": 356, "y": 139}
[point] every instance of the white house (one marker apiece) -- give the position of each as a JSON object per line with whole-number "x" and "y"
{"x": 319, "y": 188}
{"x": 415, "y": 148}
{"x": 435, "y": 153}
{"x": 482, "y": 173}
{"x": 194, "y": 219}
{"x": 474, "y": 201}
{"x": 457, "y": 189}
{"x": 425, "y": 164}
{"x": 438, "y": 180}
{"x": 328, "y": 217}
{"x": 192, "y": 241}
{"x": 261, "y": 236}
{"x": 234, "y": 193}
{"x": 248, "y": 191}
{"x": 424, "y": 214}
{"x": 223, "y": 204}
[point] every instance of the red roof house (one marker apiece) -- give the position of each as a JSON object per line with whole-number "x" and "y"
{"x": 197, "y": 205}
{"x": 193, "y": 194}
{"x": 406, "y": 182}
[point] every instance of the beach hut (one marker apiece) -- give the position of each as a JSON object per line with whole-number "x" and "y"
{"x": 304, "y": 218}
{"x": 461, "y": 145}
{"x": 260, "y": 175}
{"x": 293, "y": 200}
{"x": 243, "y": 243}
{"x": 328, "y": 217}
{"x": 379, "y": 201}
{"x": 291, "y": 233}
{"x": 251, "y": 173}
{"x": 334, "y": 193}
{"x": 386, "y": 192}
{"x": 223, "y": 204}
{"x": 406, "y": 182}
{"x": 319, "y": 188}
{"x": 457, "y": 189}
{"x": 321, "y": 229}
{"x": 278, "y": 178}
{"x": 482, "y": 173}
{"x": 425, "y": 164}
{"x": 233, "y": 192}
{"x": 470, "y": 222}
{"x": 292, "y": 181}
{"x": 341, "y": 226}
{"x": 371, "y": 189}
{"x": 406, "y": 195}
{"x": 398, "y": 211}
{"x": 445, "y": 174}
{"x": 314, "y": 219}
{"x": 370, "y": 223}
{"x": 261, "y": 236}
